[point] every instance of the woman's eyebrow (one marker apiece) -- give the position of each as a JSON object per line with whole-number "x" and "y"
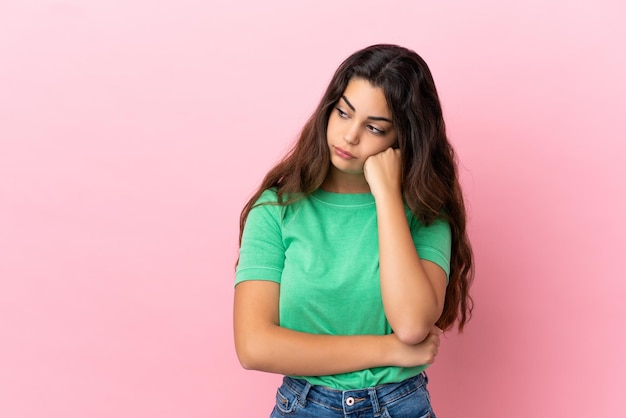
{"x": 376, "y": 118}
{"x": 345, "y": 99}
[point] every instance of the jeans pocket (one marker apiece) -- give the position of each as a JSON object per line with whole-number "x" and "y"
{"x": 286, "y": 401}
{"x": 415, "y": 404}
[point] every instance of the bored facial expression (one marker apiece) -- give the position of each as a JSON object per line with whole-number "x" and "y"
{"x": 359, "y": 126}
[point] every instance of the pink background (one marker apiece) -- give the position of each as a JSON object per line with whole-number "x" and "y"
{"x": 132, "y": 132}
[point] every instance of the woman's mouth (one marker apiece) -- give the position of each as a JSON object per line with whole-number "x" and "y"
{"x": 342, "y": 153}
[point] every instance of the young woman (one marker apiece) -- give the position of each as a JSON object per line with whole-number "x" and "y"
{"x": 353, "y": 252}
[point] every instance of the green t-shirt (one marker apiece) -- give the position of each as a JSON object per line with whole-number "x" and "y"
{"x": 323, "y": 251}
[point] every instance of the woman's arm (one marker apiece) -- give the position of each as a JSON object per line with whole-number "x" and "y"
{"x": 413, "y": 290}
{"x": 262, "y": 344}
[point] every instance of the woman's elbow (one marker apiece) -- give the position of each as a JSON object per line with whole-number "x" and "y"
{"x": 246, "y": 363}
{"x": 411, "y": 336}
{"x": 243, "y": 357}
{"x": 413, "y": 329}
{"x": 254, "y": 352}
{"x": 248, "y": 357}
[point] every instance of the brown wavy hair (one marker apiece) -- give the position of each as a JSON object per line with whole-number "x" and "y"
{"x": 430, "y": 181}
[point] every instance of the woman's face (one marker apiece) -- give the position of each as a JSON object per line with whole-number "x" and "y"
{"x": 358, "y": 127}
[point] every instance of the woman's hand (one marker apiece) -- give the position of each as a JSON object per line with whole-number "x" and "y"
{"x": 383, "y": 172}
{"x": 405, "y": 355}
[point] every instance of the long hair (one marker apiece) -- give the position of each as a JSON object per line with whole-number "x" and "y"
{"x": 430, "y": 183}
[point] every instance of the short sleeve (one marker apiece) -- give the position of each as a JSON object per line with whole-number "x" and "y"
{"x": 434, "y": 242}
{"x": 262, "y": 252}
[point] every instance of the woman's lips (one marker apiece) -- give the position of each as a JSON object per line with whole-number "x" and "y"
{"x": 342, "y": 153}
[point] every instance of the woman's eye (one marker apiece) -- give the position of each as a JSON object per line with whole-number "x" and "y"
{"x": 375, "y": 130}
{"x": 341, "y": 113}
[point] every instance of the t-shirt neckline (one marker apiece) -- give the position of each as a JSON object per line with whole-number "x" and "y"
{"x": 343, "y": 198}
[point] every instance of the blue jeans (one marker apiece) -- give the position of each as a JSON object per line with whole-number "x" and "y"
{"x": 408, "y": 399}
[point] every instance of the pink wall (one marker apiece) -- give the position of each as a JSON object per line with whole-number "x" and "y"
{"x": 132, "y": 132}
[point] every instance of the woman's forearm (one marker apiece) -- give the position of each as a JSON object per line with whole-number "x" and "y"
{"x": 280, "y": 350}
{"x": 410, "y": 300}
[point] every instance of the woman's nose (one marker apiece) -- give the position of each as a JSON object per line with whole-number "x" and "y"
{"x": 352, "y": 135}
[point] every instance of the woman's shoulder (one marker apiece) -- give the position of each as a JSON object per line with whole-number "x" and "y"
{"x": 271, "y": 196}
{"x": 439, "y": 223}
{"x": 268, "y": 196}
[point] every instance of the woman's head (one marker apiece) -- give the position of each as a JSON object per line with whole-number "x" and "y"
{"x": 409, "y": 89}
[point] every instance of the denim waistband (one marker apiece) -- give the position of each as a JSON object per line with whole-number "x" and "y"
{"x": 354, "y": 400}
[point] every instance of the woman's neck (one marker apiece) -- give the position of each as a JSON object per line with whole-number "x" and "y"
{"x": 338, "y": 182}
